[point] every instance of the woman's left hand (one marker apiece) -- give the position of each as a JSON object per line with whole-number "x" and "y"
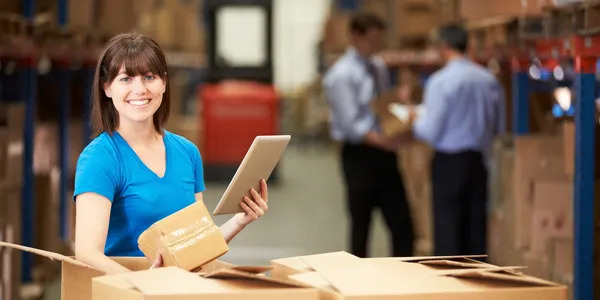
{"x": 254, "y": 208}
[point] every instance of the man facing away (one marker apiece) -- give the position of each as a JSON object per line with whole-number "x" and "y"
{"x": 464, "y": 109}
{"x": 369, "y": 161}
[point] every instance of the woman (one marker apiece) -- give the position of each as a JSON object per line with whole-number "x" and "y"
{"x": 134, "y": 173}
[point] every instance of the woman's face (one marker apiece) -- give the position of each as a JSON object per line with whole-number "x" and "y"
{"x": 136, "y": 98}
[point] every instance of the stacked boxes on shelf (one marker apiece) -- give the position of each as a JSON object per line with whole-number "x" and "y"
{"x": 11, "y": 182}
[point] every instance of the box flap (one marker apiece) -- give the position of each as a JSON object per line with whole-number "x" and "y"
{"x": 500, "y": 276}
{"x": 423, "y": 258}
{"x": 451, "y": 263}
{"x": 171, "y": 280}
{"x": 253, "y": 269}
{"x": 313, "y": 279}
{"x": 47, "y": 254}
{"x": 295, "y": 263}
{"x": 331, "y": 260}
{"x": 237, "y": 274}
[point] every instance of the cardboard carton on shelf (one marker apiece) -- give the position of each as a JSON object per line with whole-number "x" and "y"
{"x": 215, "y": 280}
{"x": 552, "y": 215}
{"x": 561, "y": 260}
{"x": 10, "y": 224}
{"x": 340, "y": 275}
{"x": 11, "y": 156}
{"x": 537, "y": 157}
{"x": 187, "y": 239}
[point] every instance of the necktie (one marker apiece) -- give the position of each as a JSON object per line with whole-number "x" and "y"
{"x": 374, "y": 74}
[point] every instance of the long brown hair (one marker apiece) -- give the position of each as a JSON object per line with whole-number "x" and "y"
{"x": 138, "y": 54}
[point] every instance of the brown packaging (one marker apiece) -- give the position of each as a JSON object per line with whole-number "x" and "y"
{"x": 187, "y": 239}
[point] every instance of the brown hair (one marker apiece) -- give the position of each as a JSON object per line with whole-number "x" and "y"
{"x": 363, "y": 21}
{"x": 138, "y": 54}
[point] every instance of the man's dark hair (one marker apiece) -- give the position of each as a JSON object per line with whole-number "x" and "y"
{"x": 362, "y": 22}
{"x": 454, "y": 36}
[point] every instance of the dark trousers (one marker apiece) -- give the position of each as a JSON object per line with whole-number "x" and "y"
{"x": 459, "y": 203}
{"x": 373, "y": 180}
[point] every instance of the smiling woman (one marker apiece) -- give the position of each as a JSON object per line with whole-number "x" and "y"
{"x": 126, "y": 58}
{"x": 134, "y": 172}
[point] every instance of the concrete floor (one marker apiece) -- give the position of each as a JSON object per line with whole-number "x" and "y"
{"x": 307, "y": 213}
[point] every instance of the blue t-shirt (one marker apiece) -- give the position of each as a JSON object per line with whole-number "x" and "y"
{"x": 108, "y": 166}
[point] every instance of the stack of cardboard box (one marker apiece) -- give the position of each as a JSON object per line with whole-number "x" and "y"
{"x": 533, "y": 222}
{"x": 11, "y": 180}
{"x": 175, "y": 25}
{"x": 340, "y": 275}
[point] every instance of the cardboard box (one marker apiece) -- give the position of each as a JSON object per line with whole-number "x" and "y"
{"x": 188, "y": 238}
{"x": 12, "y": 116}
{"x": 415, "y": 161}
{"x": 336, "y": 33}
{"x": 561, "y": 260}
{"x": 340, "y": 275}
{"x": 81, "y": 14}
{"x": 415, "y": 22}
{"x": 224, "y": 281}
{"x": 11, "y": 156}
{"x": 477, "y": 10}
{"x": 536, "y": 158}
{"x": 175, "y": 25}
{"x": 175, "y": 283}
{"x": 10, "y": 224}
{"x": 568, "y": 131}
{"x": 449, "y": 11}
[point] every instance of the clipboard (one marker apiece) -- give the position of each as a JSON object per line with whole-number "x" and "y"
{"x": 259, "y": 162}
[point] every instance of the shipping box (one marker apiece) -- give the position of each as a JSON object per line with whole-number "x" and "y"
{"x": 341, "y": 275}
{"x": 552, "y": 215}
{"x": 182, "y": 238}
{"x": 10, "y": 224}
{"x": 224, "y": 281}
{"x": 536, "y": 158}
{"x": 477, "y": 9}
{"x": 175, "y": 283}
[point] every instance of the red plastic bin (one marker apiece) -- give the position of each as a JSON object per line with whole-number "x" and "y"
{"x": 234, "y": 113}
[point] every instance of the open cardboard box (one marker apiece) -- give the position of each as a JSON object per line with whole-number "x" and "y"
{"x": 216, "y": 279}
{"x": 340, "y": 275}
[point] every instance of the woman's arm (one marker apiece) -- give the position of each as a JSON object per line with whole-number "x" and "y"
{"x": 91, "y": 228}
{"x": 253, "y": 209}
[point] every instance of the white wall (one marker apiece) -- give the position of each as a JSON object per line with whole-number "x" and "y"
{"x": 298, "y": 27}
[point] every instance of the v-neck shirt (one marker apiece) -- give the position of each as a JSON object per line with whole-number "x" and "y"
{"x": 108, "y": 166}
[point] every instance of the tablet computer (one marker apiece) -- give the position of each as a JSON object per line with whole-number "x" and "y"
{"x": 259, "y": 162}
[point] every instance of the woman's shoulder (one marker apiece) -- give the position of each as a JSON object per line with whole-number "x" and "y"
{"x": 101, "y": 148}
{"x": 180, "y": 140}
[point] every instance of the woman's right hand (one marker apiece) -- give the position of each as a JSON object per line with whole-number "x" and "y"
{"x": 158, "y": 262}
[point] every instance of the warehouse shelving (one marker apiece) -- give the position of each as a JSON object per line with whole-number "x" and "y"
{"x": 583, "y": 49}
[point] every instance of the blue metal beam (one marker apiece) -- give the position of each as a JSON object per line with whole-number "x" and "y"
{"x": 63, "y": 148}
{"x": 29, "y": 8}
{"x": 63, "y": 12}
{"x": 87, "y": 98}
{"x": 29, "y": 93}
{"x": 585, "y": 119}
{"x": 520, "y": 98}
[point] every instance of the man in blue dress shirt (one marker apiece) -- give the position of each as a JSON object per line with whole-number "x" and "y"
{"x": 369, "y": 161}
{"x": 464, "y": 110}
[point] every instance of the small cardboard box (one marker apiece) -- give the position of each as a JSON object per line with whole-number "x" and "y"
{"x": 340, "y": 275}
{"x": 187, "y": 239}
{"x": 226, "y": 281}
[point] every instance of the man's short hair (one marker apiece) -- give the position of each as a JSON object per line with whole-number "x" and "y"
{"x": 363, "y": 22}
{"x": 454, "y": 36}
